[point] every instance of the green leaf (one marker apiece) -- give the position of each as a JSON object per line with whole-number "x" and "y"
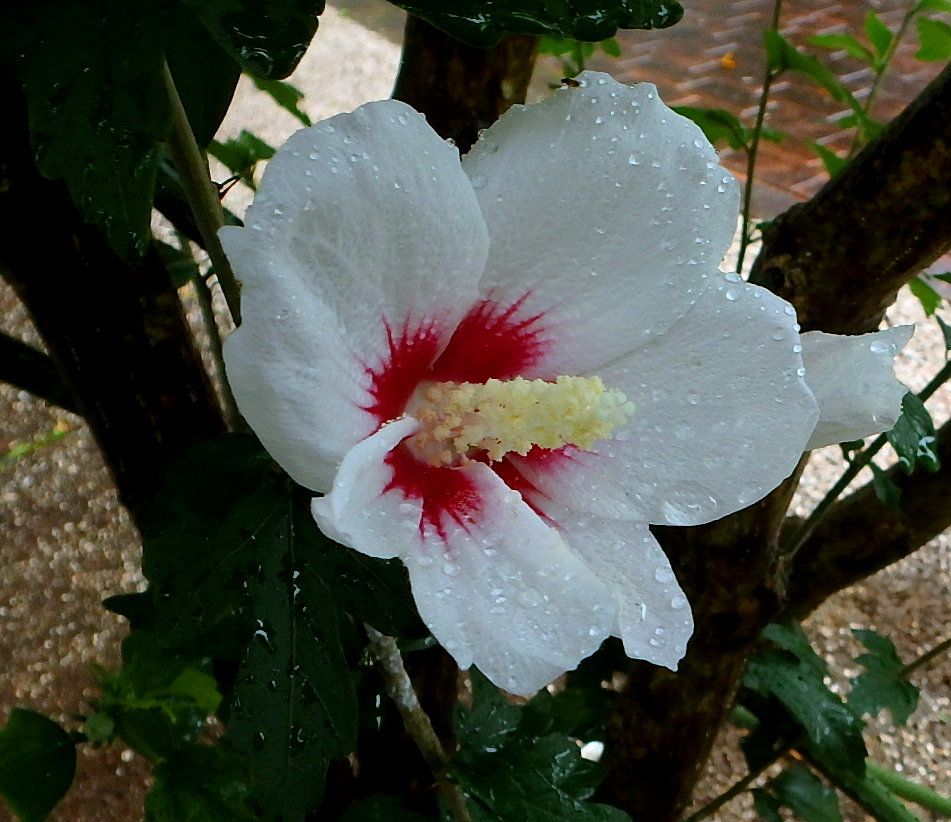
{"x": 879, "y": 35}
{"x": 929, "y": 298}
{"x": 834, "y": 164}
{"x": 718, "y": 125}
{"x": 792, "y": 674}
{"x": 200, "y": 783}
{"x": 294, "y": 706}
{"x": 286, "y": 96}
{"x": 541, "y": 782}
{"x": 933, "y": 5}
{"x": 99, "y": 729}
{"x": 882, "y": 685}
{"x": 611, "y": 47}
{"x": 945, "y": 332}
{"x": 37, "y": 763}
{"x": 935, "y": 39}
{"x": 516, "y": 769}
{"x": 766, "y": 805}
{"x": 205, "y": 75}
{"x": 97, "y": 104}
{"x": 267, "y": 39}
{"x": 803, "y": 792}
{"x": 913, "y": 436}
{"x": 481, "y": 24}
{"x": 845, "y": 42}
{"x": 885, "y": 489}
{"x": 781, "y": 55}
{"x": 179, "y": 263}
{"x": 241, "y": 154}
{"x": 381, "y": 808}
{"x": 491, "y": 719}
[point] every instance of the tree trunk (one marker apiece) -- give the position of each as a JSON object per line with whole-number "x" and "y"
{"x": 116, "y": 331}
{"x": 462, "y": 89}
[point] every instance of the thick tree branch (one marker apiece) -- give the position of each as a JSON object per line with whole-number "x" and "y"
{"x": 860, "y": 536}
{"x": 115, "y": 331}
{"x": 841, "y": 257}
{"x": 25, "y": 367}
{"x": 462, "y": 89}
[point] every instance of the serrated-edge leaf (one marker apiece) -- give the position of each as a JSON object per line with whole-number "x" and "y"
{"x": 929, "y": 298}
{"x": 882, "y": 685}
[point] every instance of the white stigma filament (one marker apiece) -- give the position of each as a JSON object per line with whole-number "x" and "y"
{"x": 512, "y": 416}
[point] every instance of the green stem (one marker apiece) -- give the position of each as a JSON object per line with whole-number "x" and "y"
{"x": 201, "y": 194}
{"x": 753, "y": 147}
{"x": 886, "y": 61}
{"x": 925, "y": 658}
{"x": 859, "y": 461}
{"x": 399, "y": 688}
{"x": 912, "y": 791}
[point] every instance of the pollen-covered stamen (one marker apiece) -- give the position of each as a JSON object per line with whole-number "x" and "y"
{"x": 513, "y": 416}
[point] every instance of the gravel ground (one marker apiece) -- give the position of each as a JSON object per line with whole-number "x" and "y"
{"x": 65, "y": 543}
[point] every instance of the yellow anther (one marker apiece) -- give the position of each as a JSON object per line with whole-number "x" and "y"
{"x": 511, "y": 416}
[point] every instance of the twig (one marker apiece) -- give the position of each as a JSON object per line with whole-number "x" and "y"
{"x": 753, "y": 147}
{"x": 859, "y": 461}
{"x": 202, "y": 195}
{"x": 233, "y": 416}
{"x": 415, "y": 720}
{"x": 926, "y": 657}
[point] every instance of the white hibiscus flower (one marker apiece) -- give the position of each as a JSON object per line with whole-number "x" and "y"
{"x": 502, "y": 370}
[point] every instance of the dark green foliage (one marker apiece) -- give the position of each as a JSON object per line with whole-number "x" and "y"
{"x": 883, "y": 684}
{"x": 929, "y": 298}
{"x": 885, "y": 489}
{"x": 286, "y": 96}
{"x": 37, "y": 763}
{"x": 785, "y": 681}
{"x": 199, "y": 784}
{"x": 381, "y": 808}
{"x": 93, "y": 76}
{"x": 935, "y": 39}
{"x": 913, "y": 436}
{"x": 266, "y": 39}
{"x": 513, "y": 768}
{"x": 483, "y": 24}
{"x": 241, "y": 154}
{"x": 803, "y": 792}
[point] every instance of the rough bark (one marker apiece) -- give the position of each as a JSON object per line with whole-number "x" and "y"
{"x": 841, "y": 257}
{"x": 840, "y": 260}
{"x": 462, "y": 89}
{"x": 115, "y": 331}
{"x": 860, "y": 536}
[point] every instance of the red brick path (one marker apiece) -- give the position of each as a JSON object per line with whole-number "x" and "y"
{"x": 685, "y": 63}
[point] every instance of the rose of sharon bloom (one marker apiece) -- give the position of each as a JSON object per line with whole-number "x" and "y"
{"x": 502, "y": 370}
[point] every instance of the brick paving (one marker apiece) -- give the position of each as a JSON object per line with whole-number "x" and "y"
{"x": 690, "y": 64}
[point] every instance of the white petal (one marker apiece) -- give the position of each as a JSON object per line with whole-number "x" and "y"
{"x": 722, "y": 415}
{"x": 603, "y": 206}
{"x": 360, "y": 511}
{"x": 506, "y": 594}
{"x": 654, "y": 618}
{"x": 854, "y": 382}
{"x": 362, "y": 221}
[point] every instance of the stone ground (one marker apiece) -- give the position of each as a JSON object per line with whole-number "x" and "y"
{"x": 65, "y": 543}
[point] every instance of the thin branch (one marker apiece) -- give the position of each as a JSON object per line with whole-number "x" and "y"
{"x": 925, "y": 658}
{"x": 415, "y": 720}
{"x": 25, "y": 367}
{"x": 859, "y": 461}
{"x": 753, "y": 148}
{"x": 202, "y": 195}
{"x": 233, "y": 418}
